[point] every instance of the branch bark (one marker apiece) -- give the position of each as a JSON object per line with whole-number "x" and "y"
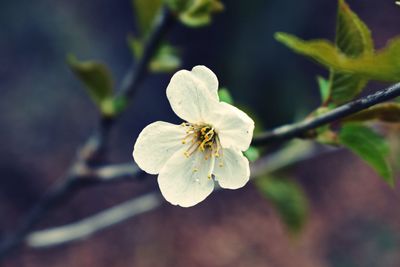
{"x": 80, "y": 173}
{"x": 292, "y": 154}
{"x": 301, "y": 128}
{"x": 95, "y": 223}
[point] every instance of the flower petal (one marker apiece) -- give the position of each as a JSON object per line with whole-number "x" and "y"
{"x": 234, "y": 172}
{"x": 156, "y": 144}
{"x": 184, "y": 181}
{"x": 188, "y": 95}
{"x": 210, "y": 80}
{"x": 234, "y": 127}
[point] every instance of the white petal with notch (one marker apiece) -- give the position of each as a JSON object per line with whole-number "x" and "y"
{"x": 189, "y": 97}
{"x": 184, "y": 180}
{"x": 156, "y": 144}
{"x": 234, "y": 172}
{"x": 210, "y": 80}
{"x": 234, "y": 127}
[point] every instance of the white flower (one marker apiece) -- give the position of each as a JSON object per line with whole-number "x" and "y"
{"x": 207, "y": 147}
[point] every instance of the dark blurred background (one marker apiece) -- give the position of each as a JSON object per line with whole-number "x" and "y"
{"x": 45, "y": 115}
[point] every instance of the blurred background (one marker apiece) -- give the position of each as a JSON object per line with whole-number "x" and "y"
{"x": 45, "y": 115}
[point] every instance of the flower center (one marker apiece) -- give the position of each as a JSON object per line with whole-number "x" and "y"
{"x": 202, "y": 138}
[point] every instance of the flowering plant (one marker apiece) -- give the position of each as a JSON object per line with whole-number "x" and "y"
{"x": 207, "y": 147}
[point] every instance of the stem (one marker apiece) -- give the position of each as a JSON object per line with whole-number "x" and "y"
{"x": 95, "y": 223}
{"x": 74, "y": 179}
{"x": 299, "y": 129}
{"x": 133, "y": 78}
{"x": 53, "y": 197}
{"x": 89, "y": 154}
{"x": 290, "y": 155}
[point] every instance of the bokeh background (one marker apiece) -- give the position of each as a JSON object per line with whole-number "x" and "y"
{"x": 45, "y": 115}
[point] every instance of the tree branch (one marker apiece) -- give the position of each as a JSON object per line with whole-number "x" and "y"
{"x": 290, "y": 155}
{"x": 138, "y": 71}
{"x": 115, "y": 173}
{"x": 88, "y": 226}
{"x": 80, "y": 173}
{"x": 301, "y": 128}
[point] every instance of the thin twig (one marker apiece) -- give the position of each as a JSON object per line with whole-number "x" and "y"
{"x": 74, "y": 179}
{"x": 133, "y": 78}
{"x": 301, "y": 128}
{"x": 88, "y": 226}
{"x": 115, "y": 173}
{"x": 79, "y": 172}
{"x": 54, "y": 196}
{"x": 290, "y": 155}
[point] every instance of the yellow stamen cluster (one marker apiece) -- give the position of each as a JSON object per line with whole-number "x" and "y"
{"x": 202, "y": 138}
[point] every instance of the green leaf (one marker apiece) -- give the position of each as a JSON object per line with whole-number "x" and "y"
{"x": 252, "y": 154}
{"x": 195, "y": 13}
{"x": 225, "y": 95}
{"x": 146, "y": 12}
{"x": 386, "y": 112}
{"x": 369, "y": 146}
{"x": 195, "y": 21}
{"x": 136, "y": 46}
{"x": 353, "y": 38}
{"x": 324, "y": 87}
{"x": 96, "y": 78}
{"x": 166, "y": 59}
{"x": 382, "y": 66}
{"x": 288, "y": 199}
{"x": 346, "y": 87}
{"x": 113, "y": 105}
{"x": 352, "y": 35}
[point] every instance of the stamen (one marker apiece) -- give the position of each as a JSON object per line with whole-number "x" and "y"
{"x": 207, "y": 155}
{"x": 219, "y": 151}
{"x": 210, "y": 170}
{"x": 193, "y": 147}
{"x": 205, "y": 139}
{"x": 216, "y": 149}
